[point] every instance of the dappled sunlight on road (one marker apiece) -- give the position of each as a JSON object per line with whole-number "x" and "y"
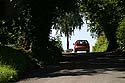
{"x": 79, "y": 67}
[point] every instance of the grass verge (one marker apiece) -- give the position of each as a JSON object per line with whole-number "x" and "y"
{"x": 14, "y": 63}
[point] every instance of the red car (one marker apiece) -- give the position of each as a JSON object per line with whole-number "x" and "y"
{"x": 81, "y": 45}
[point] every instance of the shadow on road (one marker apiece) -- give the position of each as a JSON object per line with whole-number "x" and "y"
{"x": 81, "y": 64}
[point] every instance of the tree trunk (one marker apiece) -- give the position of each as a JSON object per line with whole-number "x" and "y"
{"x": 110, "y": 33}
{"x": 112, "y": 44}
{"x": 42, "y": 22}
{"x": 67, "y": 35}
{"x": 67, "y": 41}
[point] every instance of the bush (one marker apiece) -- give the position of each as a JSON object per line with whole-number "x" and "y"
{"x": 7, "y": 74}
{"x": 55, "y": 50}
{"x": 121, "y": 34}
{"x": 101, "y": 44}
{"x": 15, "y": 63}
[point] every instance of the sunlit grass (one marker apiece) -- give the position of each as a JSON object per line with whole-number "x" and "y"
{"x": 7, "y": 73}
{"x": 13, "y": 64}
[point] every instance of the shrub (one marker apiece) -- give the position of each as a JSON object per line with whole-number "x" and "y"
{"x": 55, "y": 49}
{"x": 7, "y": 74}
{"x": 15, "y": 63}
{"x": 101, "y": 44}
{"x": 121, "y": 34}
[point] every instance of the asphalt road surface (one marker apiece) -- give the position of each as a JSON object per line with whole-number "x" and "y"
{"x": 81, "y": 68}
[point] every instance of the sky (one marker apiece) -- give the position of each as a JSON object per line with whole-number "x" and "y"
{"x": 78, "y": 35}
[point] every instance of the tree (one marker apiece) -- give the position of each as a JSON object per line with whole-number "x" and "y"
{"x": 121, "y": 34}
{"x": 43, "y": 15}
{"x": 68, "y": 23}
{"x": 17, "y": 27}
{"x": 104, "y": 15}
{"x": 43, "y": 18}
{"x": 101, "y": 43}
{"x": 7, "y": 9}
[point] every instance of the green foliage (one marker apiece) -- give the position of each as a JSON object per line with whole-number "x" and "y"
{"x": 102, "y": 12}
{"x": 30, "y": 15}
{"x": 14, "y": 63}
{"x": 7, "y": 74}
{"x": 56, "y": 41}
{"x": 68, "y": 23}
{"x": 121, "y": 34}
{"x": 104, "y": 16}
{"x": 55, "y": 50}
{"x": 70, "y": 20}
{"x": 54, "y": 10}
{"x": 101, "y": 44}
{"x": 16, "y": 30}
{"x": 7, "y": 35}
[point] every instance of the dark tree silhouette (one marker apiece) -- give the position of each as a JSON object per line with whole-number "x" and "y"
{"x": 104, "y": 16}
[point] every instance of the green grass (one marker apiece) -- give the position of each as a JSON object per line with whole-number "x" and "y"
{"x": 7, "y": 74}
{"x": 13, "y": 63}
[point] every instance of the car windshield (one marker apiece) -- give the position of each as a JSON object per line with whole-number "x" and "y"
{"x": 81, "y": 42}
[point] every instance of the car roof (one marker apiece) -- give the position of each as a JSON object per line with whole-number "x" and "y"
{"x": 81, "y": 40}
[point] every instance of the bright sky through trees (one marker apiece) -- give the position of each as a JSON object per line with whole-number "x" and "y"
{"x": 78, "y": 34}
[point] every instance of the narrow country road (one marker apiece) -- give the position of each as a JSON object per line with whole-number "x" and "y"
{"x": 82, "y": 68}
